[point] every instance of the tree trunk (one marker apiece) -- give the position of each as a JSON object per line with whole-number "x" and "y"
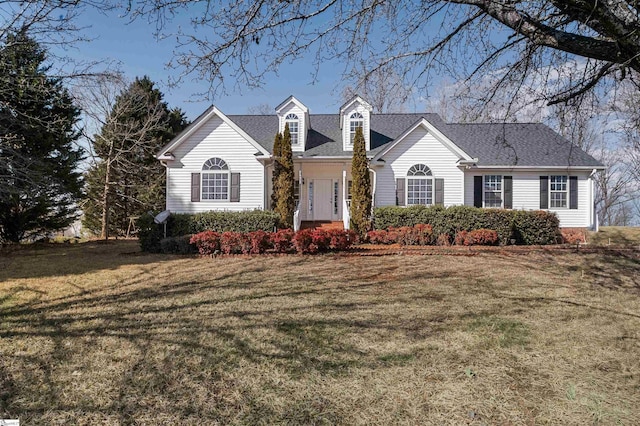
{"x": 105, "y": 197}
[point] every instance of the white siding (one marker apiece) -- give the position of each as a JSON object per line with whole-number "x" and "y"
{"x": 422, "y": 147}
{"x": 526, "y": 195}
{"x": 292, "y": 108}
{"x": 214, "y": 139}
{"x": 346, "y": 121}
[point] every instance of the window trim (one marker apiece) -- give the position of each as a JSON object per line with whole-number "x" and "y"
{"x": 565, "y": 191}
{"x": 427, "y": 176}
{"x": 222, "y": 171}
{"x": 356, "y": 117}
{"x": 293, "y": 118}
{"x": 484, "y": 192}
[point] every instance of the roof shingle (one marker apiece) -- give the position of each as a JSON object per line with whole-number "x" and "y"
{"x": 496, "y": 144}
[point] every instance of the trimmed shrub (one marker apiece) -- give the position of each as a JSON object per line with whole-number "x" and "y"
{"x": 501, "y": 221}
{"x": 260, "y": 242}
{"x": 573, "y": 235}
{"x": 378, "y": 237}
{"x": 523, "y": 227}
{"x": 303, "y": 241}
{"x": 178, "y": 245}
{"x": 483, "y": 237}
{"x": 149, "y": 234}
{"x": 207, "y": 242}
{"x": 282, "y": 240}
{"x": 243, "y": 221}
{"x": 231, "y": 242}
{"x": 180, "y": 224}
{"x": 536, "y": 227}
{"x": 342, "y": 240}
{"x": 321, "y": 239}
{"x": 461, "y": 238}
{"x": 443, "y": 240}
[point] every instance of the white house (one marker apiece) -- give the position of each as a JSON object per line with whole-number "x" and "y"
{"x": 223, "y": 162}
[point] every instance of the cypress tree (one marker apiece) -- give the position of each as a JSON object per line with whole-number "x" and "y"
{"x": 285, "y": 202}
{"x": 277, "y": 153}
{"x": 361, "y": 186}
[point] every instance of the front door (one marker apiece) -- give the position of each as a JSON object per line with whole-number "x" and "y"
{"x": 322, "y": 200}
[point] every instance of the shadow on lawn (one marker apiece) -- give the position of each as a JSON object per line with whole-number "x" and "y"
{"x": 50, "y": 260}
{"x": 616, "y": 270}
{"x": 182, "y": 347}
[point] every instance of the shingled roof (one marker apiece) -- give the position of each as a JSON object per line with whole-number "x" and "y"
{"x": 496, "y": 144}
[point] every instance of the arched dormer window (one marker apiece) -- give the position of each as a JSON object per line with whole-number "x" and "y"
{"x": 419, "y": 185}
{"x": 294, "y": 127}
{"x": 215, "y": 180}
{"x": 355, "y": 120}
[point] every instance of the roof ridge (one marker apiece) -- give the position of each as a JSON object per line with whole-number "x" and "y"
{"x": 488, "y": 124}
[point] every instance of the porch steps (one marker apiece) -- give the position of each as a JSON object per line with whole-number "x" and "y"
{"x": 321, "y": 224}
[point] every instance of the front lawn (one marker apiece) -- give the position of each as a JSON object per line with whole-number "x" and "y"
{"x": 102, "y": 334}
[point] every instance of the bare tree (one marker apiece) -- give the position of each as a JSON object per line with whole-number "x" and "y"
{"x": 383, "y": 88}
{"x": 134, "y": 123}
{"x": 247, "y": 39}
{"x": 260, "y": 109}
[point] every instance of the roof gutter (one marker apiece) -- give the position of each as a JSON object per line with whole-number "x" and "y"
{"x": 535, "y": 168}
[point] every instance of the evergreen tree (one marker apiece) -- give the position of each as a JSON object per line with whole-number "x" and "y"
{"x": 128, "y": 180}
{"x": 40, "y": 185}
{"x": 285, "y": 202}
{"x": 360, "y": 187}
{"x": 277, "y": 153}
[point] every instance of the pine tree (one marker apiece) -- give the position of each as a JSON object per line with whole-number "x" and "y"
{"x": 40, "y": 185}
{"x": 361, "y": 186}
{"x": 285, "y": 202}
{"x": 277, "y": 153}
{"x": 128, "y": 180}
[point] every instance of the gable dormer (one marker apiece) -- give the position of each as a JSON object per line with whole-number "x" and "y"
{"x": 296, "y": 115}
{"x": 356, "y": 112}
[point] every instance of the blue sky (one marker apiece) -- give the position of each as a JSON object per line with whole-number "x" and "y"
{"x": 140, "y": 53}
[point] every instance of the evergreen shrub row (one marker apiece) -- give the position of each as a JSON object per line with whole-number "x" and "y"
{"x": 519, "y": 226}
{"x": 151, "y": 234}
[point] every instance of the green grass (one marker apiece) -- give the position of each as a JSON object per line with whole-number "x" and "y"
{"x": 102, "y": 334}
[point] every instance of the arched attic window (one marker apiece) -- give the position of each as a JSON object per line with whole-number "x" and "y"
{"x": 294, "y": 127}
{"x": 419, "y": 185}
{"x": 215, "y": 180}
{"x": 355, "y": 120}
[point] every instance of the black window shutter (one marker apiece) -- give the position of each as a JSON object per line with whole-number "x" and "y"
{"x": 544, "y": 192}
{"x": 477, "y": 191}
{"x": 439, "y": 198}
{"x": 400, "y": 192}
{"x": 235, "y": 188}
{"x": 507, "y": 181}
{"x": 195, "y": 187}
{"x": 573, "y": 192}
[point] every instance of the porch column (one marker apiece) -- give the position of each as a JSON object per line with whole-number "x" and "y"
{"x": 344, "y": 184}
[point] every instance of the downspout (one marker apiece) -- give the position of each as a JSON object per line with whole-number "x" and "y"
{"x": 373, "y": 190}
{"x": 593, "y": 215}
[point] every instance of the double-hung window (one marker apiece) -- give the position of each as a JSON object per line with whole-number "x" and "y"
{"x": 419, "y": 185}
{"x": 356, "y": 120}
{"x": 558, "y": 191}
{"x": 493, "y": 194}
{"x": 294, "y": 129}
{"x": 215, "y": 180}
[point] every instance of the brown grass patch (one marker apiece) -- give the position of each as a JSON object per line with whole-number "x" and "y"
{"x": 616, "y": 236}
{"x": 101, "y": 334}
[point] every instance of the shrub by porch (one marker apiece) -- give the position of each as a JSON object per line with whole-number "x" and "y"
{"x": 519, "y": 226}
